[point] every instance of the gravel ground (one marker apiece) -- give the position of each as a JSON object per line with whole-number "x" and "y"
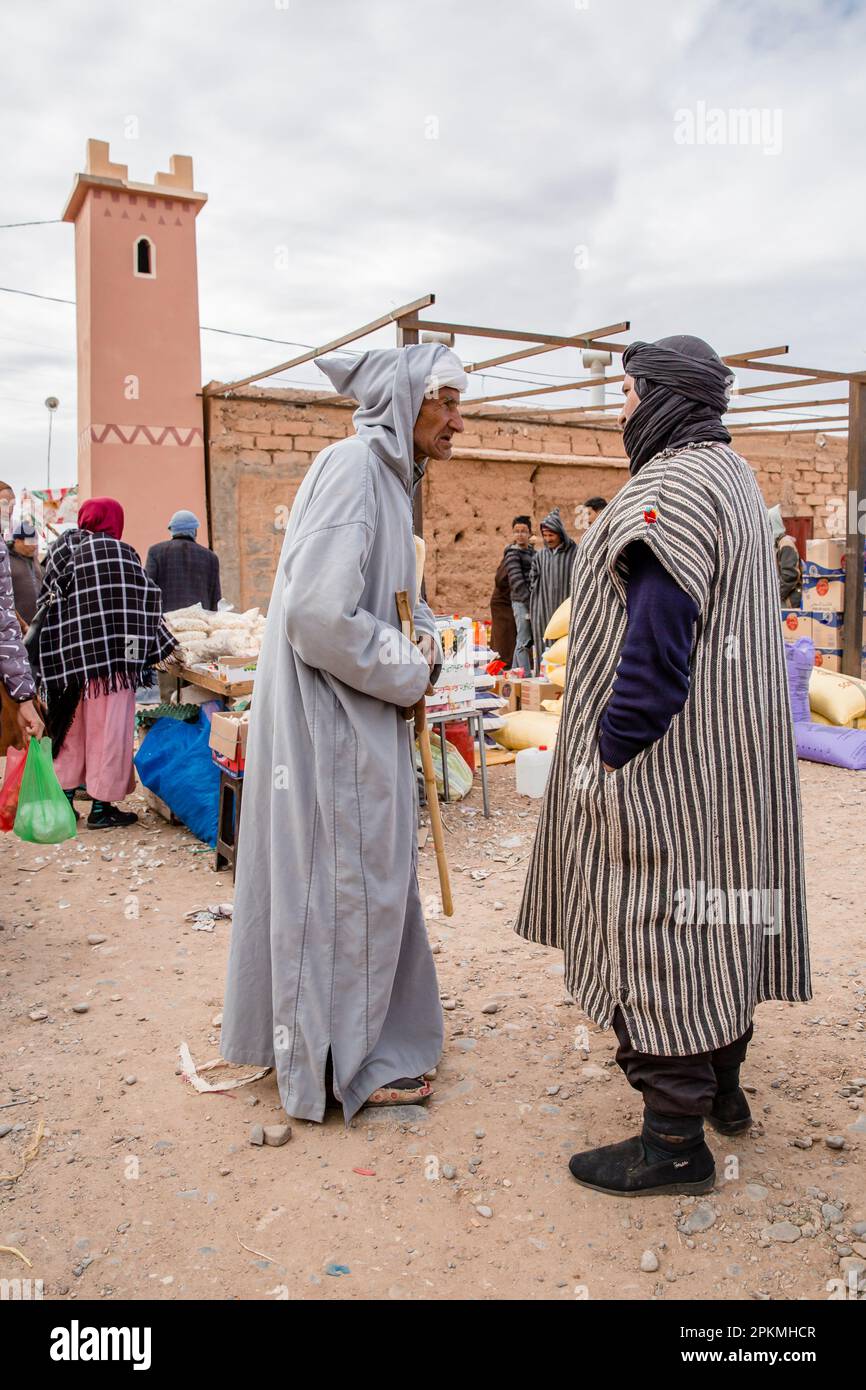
{"x": 143, "y": 1188}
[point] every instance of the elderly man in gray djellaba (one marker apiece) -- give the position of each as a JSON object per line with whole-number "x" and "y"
{"x": 331, "y": 978}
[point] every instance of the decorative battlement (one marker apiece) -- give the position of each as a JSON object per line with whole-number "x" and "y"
{"x": 100, "y": 172}
{"x": 181, "y": 173}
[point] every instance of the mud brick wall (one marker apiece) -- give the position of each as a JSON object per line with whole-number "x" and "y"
{"x": 261, "y": 442}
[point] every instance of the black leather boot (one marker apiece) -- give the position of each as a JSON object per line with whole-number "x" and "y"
{"x": 105, "y": 816}
{"x": 730, "y": 1113}
{"x": 669, "y": 1156}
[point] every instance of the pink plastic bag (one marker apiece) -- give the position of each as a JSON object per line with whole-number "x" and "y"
{"x": 15, "y": 760}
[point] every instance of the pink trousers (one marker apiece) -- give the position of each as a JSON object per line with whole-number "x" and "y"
{"x": 97, "y": 751}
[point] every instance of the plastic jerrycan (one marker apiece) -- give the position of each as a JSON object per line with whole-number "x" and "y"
{"x": 532, "y": 766}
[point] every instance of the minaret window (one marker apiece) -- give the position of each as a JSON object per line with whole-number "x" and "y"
{"x": 144, "y": 258}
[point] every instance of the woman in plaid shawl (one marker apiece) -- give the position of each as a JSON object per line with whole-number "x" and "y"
{"x": 100, "y": 638}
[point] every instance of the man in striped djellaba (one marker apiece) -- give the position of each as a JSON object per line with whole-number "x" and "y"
{"x": 549, "y": 578}
{"x": 668, "y": 861}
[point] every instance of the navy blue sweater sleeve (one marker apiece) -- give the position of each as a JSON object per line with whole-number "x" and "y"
{"x": 652, "y": 678}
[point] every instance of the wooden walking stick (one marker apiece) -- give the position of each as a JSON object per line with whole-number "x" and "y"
{"x": 418, "y": 713}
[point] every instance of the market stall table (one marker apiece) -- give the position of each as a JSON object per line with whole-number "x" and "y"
{"x": 229, "y": 820}
{"x": 475, "y": 719}
{"x": 187, "y": 675}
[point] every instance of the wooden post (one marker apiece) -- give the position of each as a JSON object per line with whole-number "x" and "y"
{"x": 852, "y": 625}
{"x": 405, "y": 336}
{"x": 225, "y": 388}
{"x": 422, "y": 733}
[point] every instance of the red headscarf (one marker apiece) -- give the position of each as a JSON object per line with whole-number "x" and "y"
{"x": 102, "y": 514}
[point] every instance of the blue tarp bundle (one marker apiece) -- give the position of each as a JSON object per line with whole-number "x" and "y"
{"x": 174, "y": 761}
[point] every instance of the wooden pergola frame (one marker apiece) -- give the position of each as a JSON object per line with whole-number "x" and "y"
{"x": 409, "y": 327}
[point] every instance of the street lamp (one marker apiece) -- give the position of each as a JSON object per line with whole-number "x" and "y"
{"x": 52, "y": 403}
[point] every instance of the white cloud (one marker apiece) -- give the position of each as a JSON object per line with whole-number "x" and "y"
{"x": 308, "y": 127}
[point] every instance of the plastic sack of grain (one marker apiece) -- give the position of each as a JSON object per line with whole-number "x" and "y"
{"x": 800, "y": 659}
{"x": 229, "y": 641}
{"x": 837, "y": 698}
{"x": 558, "y": 625}
{"x": 194, "y": 610}
{"x": 525, "y": 728}
{"x": 223, "y": 619}
{"x": 191, "y": 651}
{"x": 212, "y": 646}
{"x": 556, "y": 676}
{"x": 838, "y": 747}
{"x": 557, "y": 654}
{"x": 180, "y": 626}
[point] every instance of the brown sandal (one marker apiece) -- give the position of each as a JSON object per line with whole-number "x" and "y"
{"x": 394, "y": 1094}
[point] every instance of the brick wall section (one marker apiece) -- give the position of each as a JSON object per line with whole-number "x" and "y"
{"x": 261, "y": 442}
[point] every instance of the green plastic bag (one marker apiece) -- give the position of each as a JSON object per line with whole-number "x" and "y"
{"x": 44, "y": 815}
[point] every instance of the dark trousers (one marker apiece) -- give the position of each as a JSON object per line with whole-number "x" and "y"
{"x": 677, "y": 1085}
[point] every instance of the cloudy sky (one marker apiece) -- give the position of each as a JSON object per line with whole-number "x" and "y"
{"x": 527, "y": 160}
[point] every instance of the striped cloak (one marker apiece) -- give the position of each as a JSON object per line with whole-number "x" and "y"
{"x": 675, "y": 886}
{"x": 550, "y": 585}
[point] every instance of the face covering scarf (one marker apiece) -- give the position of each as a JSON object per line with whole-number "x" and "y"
{"x": 684, "y": 388}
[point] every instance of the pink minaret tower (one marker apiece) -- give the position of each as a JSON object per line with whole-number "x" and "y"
{"x": 140, "y": 435}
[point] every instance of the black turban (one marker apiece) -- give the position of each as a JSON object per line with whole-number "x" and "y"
{"x": 683, "y": 387}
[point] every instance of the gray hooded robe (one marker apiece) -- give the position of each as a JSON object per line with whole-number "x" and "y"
{"x": 328, "y": 948}
{"x": 549, "y": 581}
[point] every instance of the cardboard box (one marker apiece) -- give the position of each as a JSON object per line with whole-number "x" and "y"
{"x": 509, "y": 691}
{"x": 236, "y": 668}
{"x": 828, "y": 659}
{"x": 823, "y": 589}
{"x": 827, "y": 630}
{"x": 532, "y": 692}
{"x": 830, "y": 555}
{"x": 228, "y": 739}
{"x": 796, "y": 624}
{"x": 824, "y": 624}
